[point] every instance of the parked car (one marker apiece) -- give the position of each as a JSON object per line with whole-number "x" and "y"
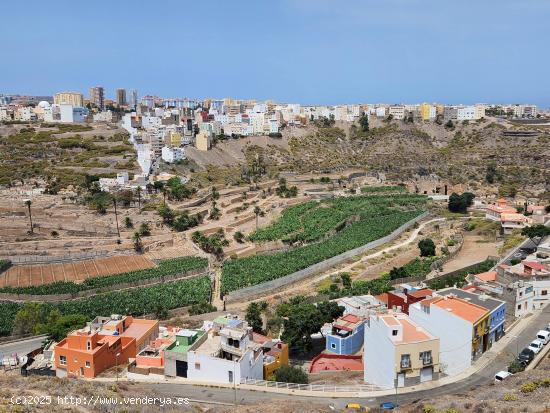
{"x": 502, "y": 375}
{"x": 536, "y": 346}
{"x": 543, "y": 336}
{"x": 526, "y": 356}
{"x": 357, "y": 407}
{"x": 388, "y": 406}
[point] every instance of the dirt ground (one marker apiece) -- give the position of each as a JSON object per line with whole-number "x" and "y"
{"x": 475, "y": 249}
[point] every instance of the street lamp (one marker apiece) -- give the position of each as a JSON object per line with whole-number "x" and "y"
{"x": 116, "y": 365}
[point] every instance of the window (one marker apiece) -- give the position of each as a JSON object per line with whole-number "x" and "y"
{"x": 519, "y": 306}
{"x": 88, "y": 345}
{"x": 87, "y": 364}
{"x": 394, "y": 332}
{"x": 332, "y": 345}
{"x": 405, "y": 361}
{"x": 62, "y": 360}
{"x": 544, "y": 292}
{"x": 426, "y": 357}
{"x": 197, "y": 366}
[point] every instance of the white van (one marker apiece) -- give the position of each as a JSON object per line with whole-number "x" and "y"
{"x": 543, "y": 336}
{"x": 536, "y": 346}
{"x": 502, "y": 375}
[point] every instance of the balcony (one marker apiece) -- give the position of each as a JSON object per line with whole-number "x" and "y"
{"x": 231, "y": 349}
{"x": 426, "y": 361}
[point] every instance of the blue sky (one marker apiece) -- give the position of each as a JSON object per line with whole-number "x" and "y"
{"x": 305, "y": 51}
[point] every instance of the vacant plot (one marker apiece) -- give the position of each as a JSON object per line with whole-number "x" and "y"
{"x": 27, "y": 275}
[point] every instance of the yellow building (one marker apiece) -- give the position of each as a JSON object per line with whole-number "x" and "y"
{"x": 203, "y": 141}
{"x": 69, "y": 98}
{"x": 275, "y": 354}
{"x": 175, "y": 138}
{"x": 427, "y": 111}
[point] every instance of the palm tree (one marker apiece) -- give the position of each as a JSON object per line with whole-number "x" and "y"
{"x": 28, "y": 202}
{"x": 164, "y": 190}
{"x": 138, "y": 192}
{"x": 257, "y": 212}
{"x": 137, "y": 241}
{"x": 116, "y": 217}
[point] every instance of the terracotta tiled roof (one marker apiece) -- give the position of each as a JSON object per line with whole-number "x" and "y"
{"x": 421, "y": 293}
{"x": 487, "y": 276}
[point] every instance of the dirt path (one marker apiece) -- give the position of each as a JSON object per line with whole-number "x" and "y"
{"x": 474, "y": 249}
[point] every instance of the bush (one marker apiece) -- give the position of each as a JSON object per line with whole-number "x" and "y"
{"x": 202, "y": 308}
{"x": 427, "y": 247}
{"x": 508, "y": 397}
{"x": 529, "y": 387}
{"x": 289, "y": 374}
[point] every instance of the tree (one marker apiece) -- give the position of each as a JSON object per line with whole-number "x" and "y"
{"x": 330, "y": 311}
{"x": 116, "y": 217}
{"x": 536, "y": 232}
{"x": 161, "y": 312}
{"x": 301, "y": 323}
{"x": 138, "y": 244}
{"x": 346, "y": 279}
{"x": 469, "y": 198}
{"x": 458, "y": 203}
{"x": 128, "y": 223}
{"x": 184, "y": 221}
{"x": 364, "y": 122}
{"x": 289, "y": 374}
{"x": 254, "y": 317}
{"x": 427, "y": 247}
{"x": 28, "y": 203}
{"x": 57, "y": 326}
{"x": 144, "y": 229}
{"x": 166, "y": 214}
{"x": 449, "y": 124}
{"x": 239, "y": 237}
{"x": 257, "y": 211}
{"x": 29, "y": 317}
{"x": 491, "y": 173}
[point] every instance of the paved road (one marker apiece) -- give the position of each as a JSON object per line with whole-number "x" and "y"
{"x": 226, "y": 395}
{"x": 22, "y": 347}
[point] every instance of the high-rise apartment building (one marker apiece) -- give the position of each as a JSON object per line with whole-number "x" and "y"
{"x": 133, "y": 98}
{"x": 121, "y": 97}
{"x": 70, "y": 98}
{"x": 97, "y": 96}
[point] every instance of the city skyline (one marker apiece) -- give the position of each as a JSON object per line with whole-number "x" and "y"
{"x": 289, "y": 51}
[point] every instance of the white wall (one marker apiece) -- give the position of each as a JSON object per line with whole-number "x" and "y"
{"x": 216, "y": 370}
{"x": 455, "y": 336}
{"x": 378, "y": 355}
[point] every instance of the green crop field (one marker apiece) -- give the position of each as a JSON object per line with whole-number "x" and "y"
{"x": 312, "y": 221}
{"x": 137, "y": 301}
{"x": 173, "y": 266}
{"x": 373, "y": 218}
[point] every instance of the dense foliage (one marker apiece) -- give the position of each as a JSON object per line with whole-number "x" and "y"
{"x": 137, "y": 301}
{"x": 375, "y": 219}
{"x": 290, "y": 374}
{"x": 167, "y": 267}
{"x": 312, "y": 221}
{"x": 4, "y": 265}
{"x": 460, "y": 203}
{"x": 419, "y": 267}
{"x": 427, "y": 247}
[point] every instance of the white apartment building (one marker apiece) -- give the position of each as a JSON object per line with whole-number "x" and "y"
{"x": 381, "y": 112}
{"x": 398, "y": 352}
{"x": 227, "y": 354}
{"x": 171, "y": 155}
{"x": 25, "y": 114}
{"x": 465, "y": 113}
{"x": 145, "y": 158}
{"x": 397, "y": 111}
{"x": 71, "y": 114}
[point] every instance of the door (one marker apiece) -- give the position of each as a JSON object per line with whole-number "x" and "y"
{"x": 426, "y": 374}
{"x": 230, "y": 377}
{"x": 401, "y": 380}
{"x": 181, "y": 368}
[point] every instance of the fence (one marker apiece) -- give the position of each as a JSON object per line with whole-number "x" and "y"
{"x": 68, "y": 257}
{"x": 89, "y": 293}
{"x": 252, "y": 291}
{"x": 310, "y": 387}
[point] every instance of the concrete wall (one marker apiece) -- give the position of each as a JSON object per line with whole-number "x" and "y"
{"x": 348, "y": 345}
{"x": 378, "y": 356}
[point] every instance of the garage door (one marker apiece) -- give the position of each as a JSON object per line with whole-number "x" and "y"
{"x": 426, "y": 374}
{"x": 181, "y": 368}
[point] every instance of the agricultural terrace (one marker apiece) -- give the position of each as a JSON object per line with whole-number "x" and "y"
{"x": 350, "y": 223}
{"x": 136, "y": 301}
{"x": 33, "y": 275}
{"x": 383, "y": 189}
{"x": 164, "y": 268}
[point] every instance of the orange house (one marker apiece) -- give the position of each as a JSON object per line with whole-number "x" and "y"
{"x": 102, "y": 344}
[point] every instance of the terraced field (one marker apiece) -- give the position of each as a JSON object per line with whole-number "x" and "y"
{"x": 324, "y": 230}
{"x": 78, "y": 271}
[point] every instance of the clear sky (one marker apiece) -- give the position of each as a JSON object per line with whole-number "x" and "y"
{"x": 304, "y": 51}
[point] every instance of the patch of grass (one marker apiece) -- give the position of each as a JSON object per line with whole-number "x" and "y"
{"x": 511, "y": 241}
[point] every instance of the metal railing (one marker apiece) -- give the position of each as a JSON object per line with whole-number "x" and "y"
{"x": 310, "y": 387}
